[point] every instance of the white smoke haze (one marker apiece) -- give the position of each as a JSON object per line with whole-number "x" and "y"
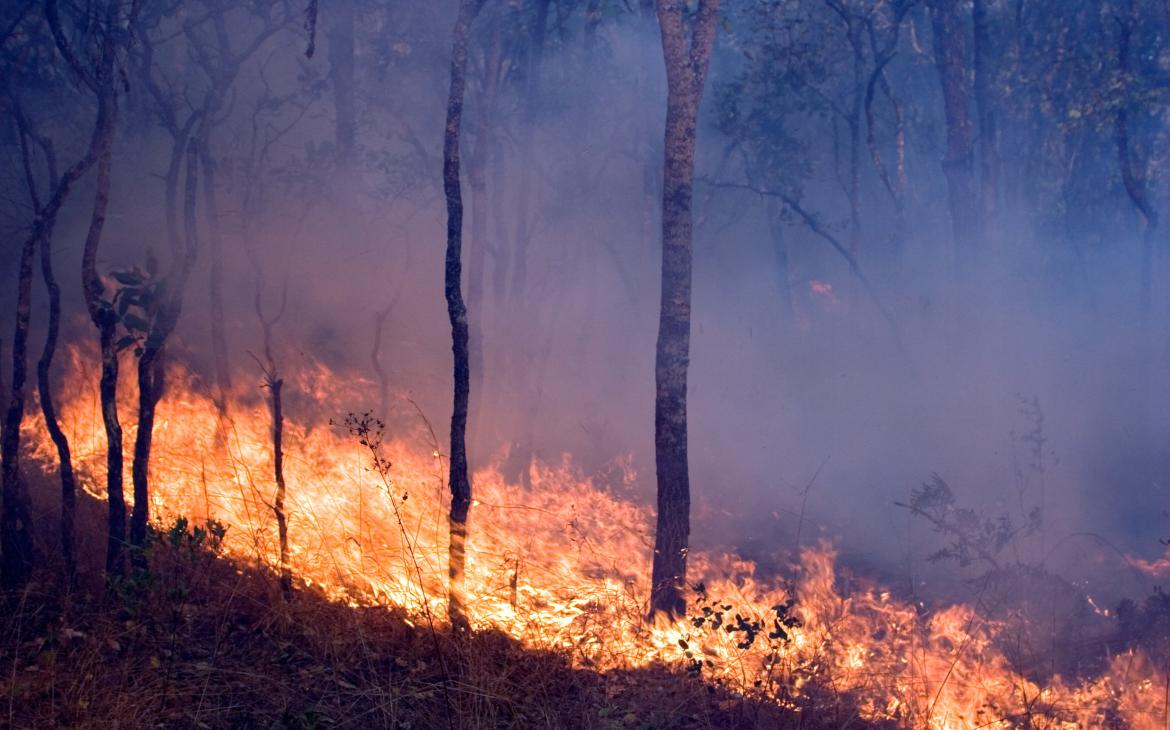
{"x": 809, "y": 423}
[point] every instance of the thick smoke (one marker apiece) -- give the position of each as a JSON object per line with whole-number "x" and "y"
{"x": 1033, "y": 381}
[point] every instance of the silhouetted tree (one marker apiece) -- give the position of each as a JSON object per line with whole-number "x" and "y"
{"x": 950, "y": 52}
{"x": 160, "y": 303}
{"x": 983, "y": 68}
{"x": 1133, "y": 172}
{"x": 687, "y": 53}
{"x": 100, "y": 75}
{"x": 460, "y": 482}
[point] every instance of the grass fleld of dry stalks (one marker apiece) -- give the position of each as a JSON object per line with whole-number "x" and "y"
{"x": 203, "y": 641}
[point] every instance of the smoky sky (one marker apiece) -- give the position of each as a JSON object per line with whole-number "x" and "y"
{"x": 816, "y": 412}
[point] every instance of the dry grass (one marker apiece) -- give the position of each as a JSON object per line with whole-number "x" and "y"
{"x": 207, "y": 642}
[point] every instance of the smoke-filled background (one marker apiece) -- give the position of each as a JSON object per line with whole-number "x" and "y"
{"x": 858, "y": 325}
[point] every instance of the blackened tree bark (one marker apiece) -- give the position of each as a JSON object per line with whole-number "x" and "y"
{"x": 151, "y": 360}
{"x": 275, "y": 385}
{"x": 950, "y": 52}
{"x": 687, "y": 55}
{"x": 15, "y": 525}
{"x": 47, "y": 220}
{"x": 15, "y": 521}
{"x": 460, "y": 482}
{"x": 101, "y": 78}
{"x": 59, "y": 190}
{"x": 105, "y": 319}
{"x": 48, "y": 407}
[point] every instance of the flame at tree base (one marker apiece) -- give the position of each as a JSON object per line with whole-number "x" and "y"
{"x": 564, "y": 564}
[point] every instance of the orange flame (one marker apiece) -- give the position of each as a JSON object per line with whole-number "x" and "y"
{"x": 565, "y": 564}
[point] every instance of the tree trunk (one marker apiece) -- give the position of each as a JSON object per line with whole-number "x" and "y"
{"x": 985, "y": 104}
{"x": 950, "y": 51}
{"x": 3, "y": 387}
{"x": 151, "y": 364}
{"x": 376, "y": 364}
{"x": 894, "y": 184}
{"x": 274, "y": 386}
{"x": 856, "y": 119}
{"x": 457, "y": 313}
{"x": 687, "y": 56}
{"x": 101, "y": 78}
{"x": 43, "y": 232}
{"x": 150, "y": 378}
{"x": 45, "y": 388}
{"x": 106, "y": 320}
{"x": 783, "y": 270}
{"x": 16, "y": 559}
{"x": 219, "y": 346}
{"x": 519, "y": 357}
{"x": 341, "y": 76}
{"x": 1133, "y": 178}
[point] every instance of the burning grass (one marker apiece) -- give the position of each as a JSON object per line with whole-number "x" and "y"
{"x": 557, "y": 580}
{"x": 207, "y": 641}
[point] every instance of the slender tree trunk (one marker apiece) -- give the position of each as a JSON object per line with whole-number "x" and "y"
{"x": 152, "y": 367}
{"x": 43, "y": 232}
{"x": 274, "y": 386}
{"x": 150, "y": 376}
{"x": 45, "y": 388}
{"x": 894, "y": 184}
{"x": 3, "y": 388}
{"x": 376, "y": 364}
{"x": 457, "y": 313}
{"x": 106, "y": 320}
{"x": 520, "y": 356}
{"x": 985, "y": 104}
{"x": 101, "y": 78}
{"x": 16, "y": 560}
{"x": 341, "y": 74}
{"x": 783, "y": 270}
{"x": 950, "y": 50}
{"x": 1132, "y": 177}
{"x": 219, "y": 346}
{"x": 856, "y": 120}
{"x": 687, "y": 55}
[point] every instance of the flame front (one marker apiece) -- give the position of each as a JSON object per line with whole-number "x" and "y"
{"x": 565, "y": 564}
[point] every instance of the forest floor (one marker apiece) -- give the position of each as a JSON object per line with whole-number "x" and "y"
{"x": 201, "y": 641}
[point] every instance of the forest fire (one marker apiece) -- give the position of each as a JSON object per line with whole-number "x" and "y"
{"x": 328, "y": 320}
{"x": 564, "y": 565}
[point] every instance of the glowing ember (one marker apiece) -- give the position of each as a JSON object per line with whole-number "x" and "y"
{"x": 564, "y": 564}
